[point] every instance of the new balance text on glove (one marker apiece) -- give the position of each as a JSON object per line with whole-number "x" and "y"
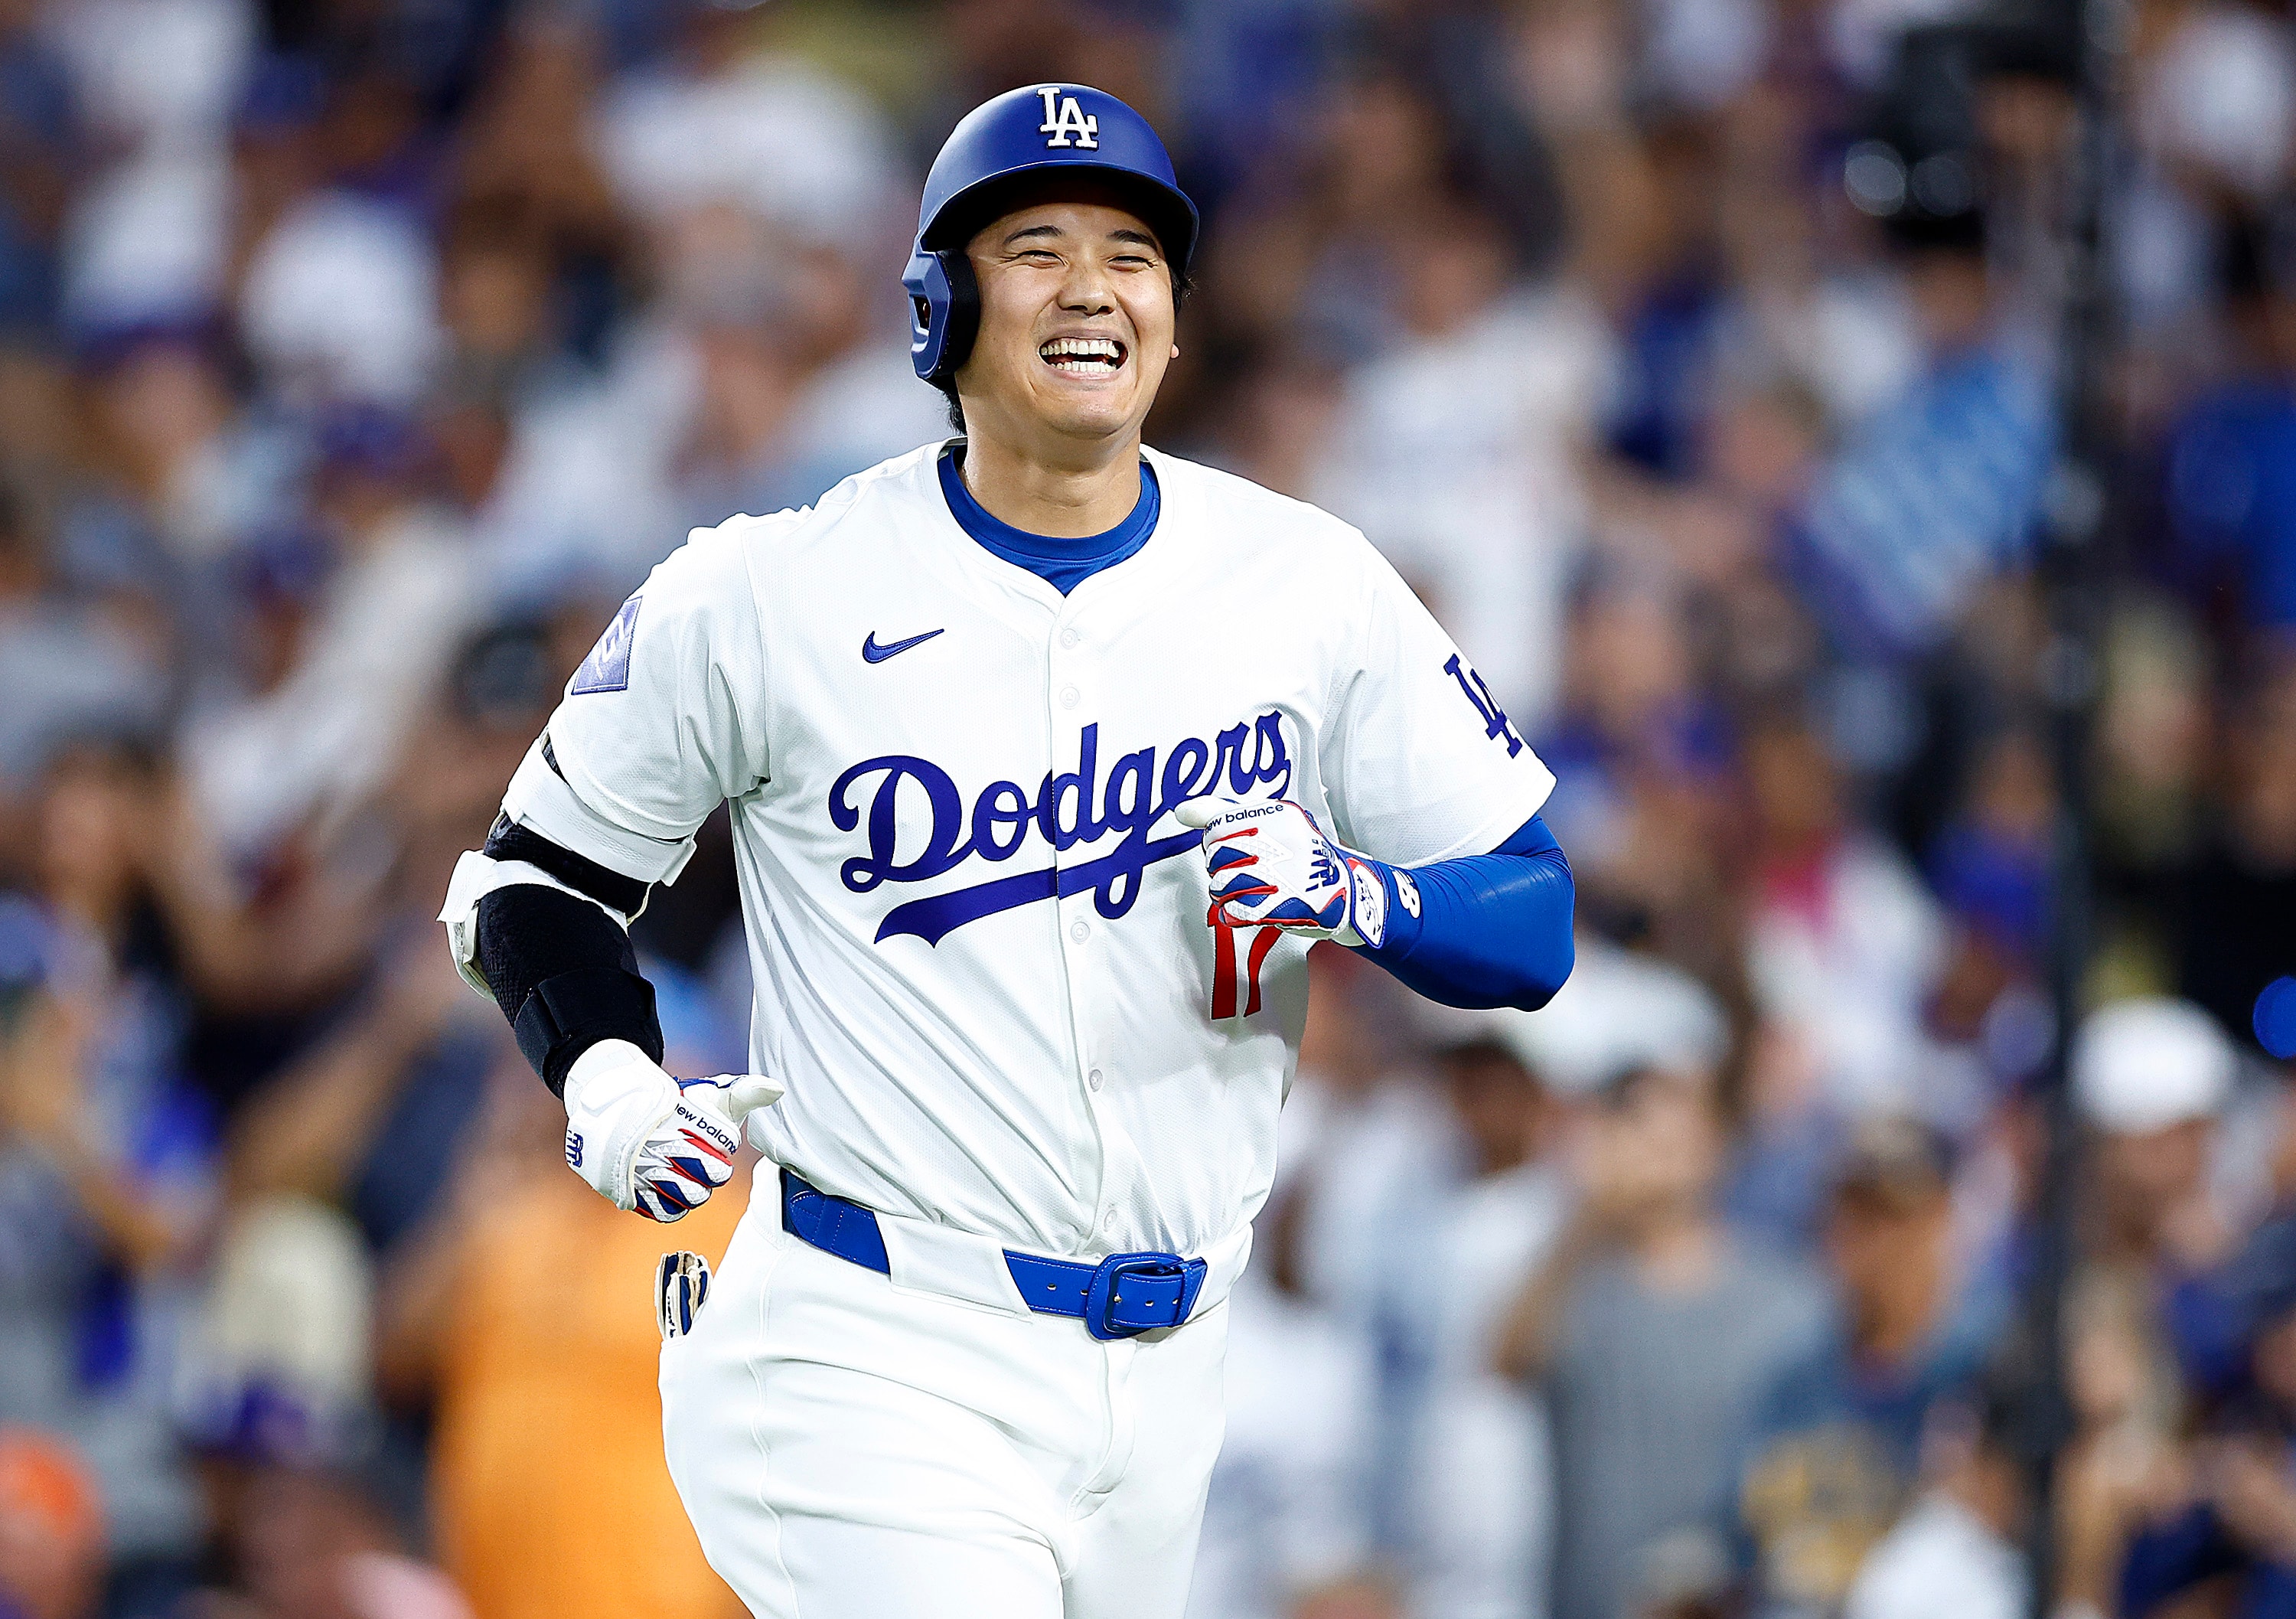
{"x": 1271, "y": 866}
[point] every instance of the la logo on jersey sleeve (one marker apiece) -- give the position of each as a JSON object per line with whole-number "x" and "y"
{"x": 1496, "y": 725}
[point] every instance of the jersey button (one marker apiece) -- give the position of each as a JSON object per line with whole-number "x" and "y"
{"x": 1068, "y": 695}
{"x": 1068, "y": 638}
{"x": 1080, "y": 932}
{"x": 1093, "y": 1078}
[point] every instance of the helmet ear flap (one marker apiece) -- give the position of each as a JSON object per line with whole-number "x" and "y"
{"x": 963, "y": 310}
{"x": 944, "y": 311}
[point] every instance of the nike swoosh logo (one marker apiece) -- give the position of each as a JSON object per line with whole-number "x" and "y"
{"x": 875, "y": 654}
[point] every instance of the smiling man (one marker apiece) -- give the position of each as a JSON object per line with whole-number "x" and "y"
{"x": 1049, "y": 757}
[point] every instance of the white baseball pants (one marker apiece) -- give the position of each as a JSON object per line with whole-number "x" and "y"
{"x": 852, "y": 1449}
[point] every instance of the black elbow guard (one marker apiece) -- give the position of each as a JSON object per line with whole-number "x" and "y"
{"x": 565, "y": 974}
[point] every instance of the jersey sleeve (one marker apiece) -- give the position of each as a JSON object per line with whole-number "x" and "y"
{"x": 1420, "y": 763}
{"x": 663, "y": 721}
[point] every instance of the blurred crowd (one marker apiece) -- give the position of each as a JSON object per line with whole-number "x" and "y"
{"x": 1696, "y": 359}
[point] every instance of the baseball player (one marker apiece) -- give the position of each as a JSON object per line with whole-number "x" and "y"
{"x": 1049, "y": 757}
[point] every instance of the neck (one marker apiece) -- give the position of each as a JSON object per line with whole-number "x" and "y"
{"x": 1064, "y": 499}
{"x": 1677, "y": 1250}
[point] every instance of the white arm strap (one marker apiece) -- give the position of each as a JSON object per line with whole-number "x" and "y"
{"x": 540, "y": 800}
{"x": 477, "y": 875}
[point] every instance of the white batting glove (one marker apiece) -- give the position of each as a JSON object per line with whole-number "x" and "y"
{"x": 1271, "y": 866}
{"x": 651, "y": 1144}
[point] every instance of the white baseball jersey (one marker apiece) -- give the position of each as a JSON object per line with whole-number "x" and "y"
{"x": 982, "y": 965}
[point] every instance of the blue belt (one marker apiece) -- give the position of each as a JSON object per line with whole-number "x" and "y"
{"x": 1120, "y": 1297}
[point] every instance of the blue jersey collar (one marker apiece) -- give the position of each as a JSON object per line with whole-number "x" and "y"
{"x": 1062, "y": 564}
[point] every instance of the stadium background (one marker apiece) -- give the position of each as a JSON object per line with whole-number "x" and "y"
{"x": 1696, "y": 358}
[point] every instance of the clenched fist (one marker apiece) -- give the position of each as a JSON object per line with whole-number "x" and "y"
{"x": 1271, "y": 866}
{"x": 650, "y": 1143}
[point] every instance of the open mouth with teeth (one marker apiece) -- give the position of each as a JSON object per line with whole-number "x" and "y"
{"x": 1083, "y": 355}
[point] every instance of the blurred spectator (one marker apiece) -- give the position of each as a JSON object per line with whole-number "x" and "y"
{"x": 1360, "y": 1135}
{"x": 2231, "y": 502}
{"x": 1991, "y": 865}
{"x": 1957, "y": 1551}
{"x": 2221, "y": 96}
{"x": 339, "y": 302}
{"x": 52, "y": 1562}
{"x": 207, "y": 476}
{"x": 1843, "y": 943}
{"x": 1621, "y": 1012}
{"x": 526, "y": 1298}
{"x": 369, "y": 1119}
{"x": 2151, "y": 1078}
{"x": 1642, "y": 756}
{"x": 2227, "y": 1516}
{"x": 1288, "y": 1523}
{"x": 2244, "y": 875}
{"x": 276, "y": 1375}
{"x": 2125, "y": 1463}
{"x": 1940, "y": 489}
{"x": 527, "y": 171}
{"x": 309, "y": 1544}
{"x": 714, "y": 125}
{"x": 40, "y": 125}
{"x": 66, "y": 669}
{"x": 1656, "y": 1335}
{"x": 157, "y": 85}
{"x": 1476, "y": 1508}
{"x": 1457, "y": 452}
{"x": 1836, "y": 1455}
{"x": 319, "y": 729}
{"x": 106, "y": 1154}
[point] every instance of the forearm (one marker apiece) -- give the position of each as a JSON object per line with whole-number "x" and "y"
{"x": 306, "y": 1132}
{"x": 560, "y": 966}
{"x": 1489, "y": 929}
{"x": 241, "y": 959}
{"x": 558, "y": 959}
{"x": 565, "y": 975}
{"x": 136, "y": 1229}
{"x": 1526, "y": 1338}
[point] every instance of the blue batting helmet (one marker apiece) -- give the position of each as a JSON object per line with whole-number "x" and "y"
{"x": 1070, "y": 129}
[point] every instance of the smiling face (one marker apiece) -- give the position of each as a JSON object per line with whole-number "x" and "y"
{"x": 1076, "y": 326}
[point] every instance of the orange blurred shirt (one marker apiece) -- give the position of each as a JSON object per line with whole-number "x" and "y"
{"x": 552, "y": 1498}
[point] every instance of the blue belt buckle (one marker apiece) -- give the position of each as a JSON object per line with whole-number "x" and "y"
{"x": 1135, "y": 1293}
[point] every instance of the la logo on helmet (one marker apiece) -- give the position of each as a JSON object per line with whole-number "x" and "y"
{"x": 1068, "y": 119}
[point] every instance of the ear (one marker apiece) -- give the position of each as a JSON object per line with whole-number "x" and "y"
{"x": 1175, "y": 352}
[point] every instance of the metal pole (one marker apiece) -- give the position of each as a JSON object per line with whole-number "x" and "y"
{"x": 2074, "y": 573}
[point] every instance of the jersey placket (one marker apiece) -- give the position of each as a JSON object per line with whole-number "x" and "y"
{"x": 1072, "y": 688}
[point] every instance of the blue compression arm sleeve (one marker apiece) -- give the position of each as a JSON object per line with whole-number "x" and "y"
{"x": 1489, "y": 929}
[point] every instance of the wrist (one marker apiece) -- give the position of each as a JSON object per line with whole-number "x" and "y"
{"x": 1385, "y": 908}
{"x": 604, "y": 1070}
